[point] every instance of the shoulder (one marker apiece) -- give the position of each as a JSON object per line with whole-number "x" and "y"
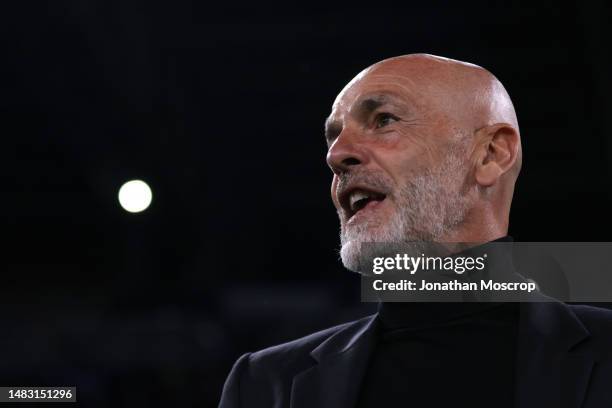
{"x": 295, "y": 351}
{"x": 264, "y": 377}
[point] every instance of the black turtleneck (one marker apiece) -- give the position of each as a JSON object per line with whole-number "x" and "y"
{"x": 443, "y": 354}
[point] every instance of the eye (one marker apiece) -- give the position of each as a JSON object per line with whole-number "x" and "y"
{"x": 384, "y": 119}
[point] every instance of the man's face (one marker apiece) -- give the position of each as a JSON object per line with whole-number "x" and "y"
{"x": 399, "y": 162}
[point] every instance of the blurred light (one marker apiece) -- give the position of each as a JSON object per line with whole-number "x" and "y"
{"x": 135, "y": 196}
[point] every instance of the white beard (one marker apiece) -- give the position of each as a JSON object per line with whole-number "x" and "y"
{"x": 428, "y": 207}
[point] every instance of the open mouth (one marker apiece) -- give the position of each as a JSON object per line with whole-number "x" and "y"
{"x": 355, "y": 200}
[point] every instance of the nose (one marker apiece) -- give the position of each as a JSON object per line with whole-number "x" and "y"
{"x": 346, "y": 152}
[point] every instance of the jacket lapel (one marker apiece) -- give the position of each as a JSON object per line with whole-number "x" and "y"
{"x": 550, "y": 372}
{"x": 342, "y": 361}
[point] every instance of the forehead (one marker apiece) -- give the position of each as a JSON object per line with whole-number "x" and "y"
{"x": 382, "y": 87}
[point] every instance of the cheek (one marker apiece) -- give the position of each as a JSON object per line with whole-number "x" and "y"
{"x": 413, "y": 151}
{"x": 421, "y": 144}
{"x": 402, "y": 163}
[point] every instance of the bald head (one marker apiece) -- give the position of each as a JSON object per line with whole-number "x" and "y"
{"x": 467, "y": 94}
{"x": 431, "y": 130}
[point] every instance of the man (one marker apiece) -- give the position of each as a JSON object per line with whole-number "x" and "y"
{"x": 425, "y": 148}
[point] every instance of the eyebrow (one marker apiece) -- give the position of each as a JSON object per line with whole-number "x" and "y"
{"x": 371, "y": 103}
{"x": 363, "y": 109}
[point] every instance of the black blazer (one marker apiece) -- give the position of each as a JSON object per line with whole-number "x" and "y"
{"x": 563, "y": 360}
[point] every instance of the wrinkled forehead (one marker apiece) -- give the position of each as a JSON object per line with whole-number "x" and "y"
{"x": 383, "y": 84}
{"x": 440, "y": 88}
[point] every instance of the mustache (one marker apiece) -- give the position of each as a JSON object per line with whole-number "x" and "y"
{"x": 377, "y": 180}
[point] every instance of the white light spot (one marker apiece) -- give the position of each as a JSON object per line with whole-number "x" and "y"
{"x": 135, "y": 196}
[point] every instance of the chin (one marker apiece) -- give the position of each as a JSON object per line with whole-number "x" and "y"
{"x": 354, "y": 254}
{"x": 350, "y": 253}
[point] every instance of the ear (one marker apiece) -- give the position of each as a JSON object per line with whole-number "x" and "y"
{"x": 497, "y": 152}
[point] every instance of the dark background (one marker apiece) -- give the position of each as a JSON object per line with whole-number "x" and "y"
{"x": 220, "y": 108}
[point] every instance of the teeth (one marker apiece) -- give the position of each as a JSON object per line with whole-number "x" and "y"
{"x": 357, "y": 196}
